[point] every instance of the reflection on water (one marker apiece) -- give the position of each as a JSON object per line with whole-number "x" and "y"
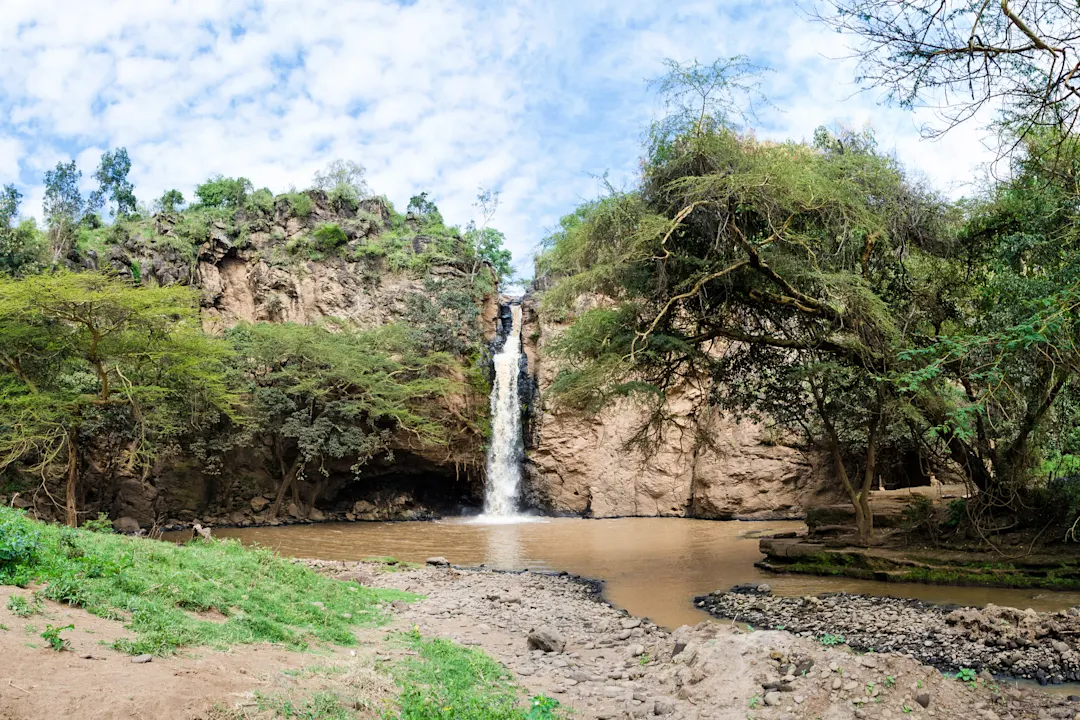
{"x": 651, "y": 566}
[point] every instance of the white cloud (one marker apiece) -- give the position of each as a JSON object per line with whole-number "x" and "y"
{"x": 533, "y": 99}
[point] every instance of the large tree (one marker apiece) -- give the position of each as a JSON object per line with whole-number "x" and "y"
{"x": 1016, "y": 57}
{"x": 84, "y": 353}
{"x": 322, "y": 394}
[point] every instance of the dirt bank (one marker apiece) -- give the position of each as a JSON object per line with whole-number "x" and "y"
{"x": 602, "y": 664}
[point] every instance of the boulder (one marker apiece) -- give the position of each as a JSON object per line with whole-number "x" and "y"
{"x": 438, "y": 561}
{"x": 126, "y": 525}
{"x": 135, "y": 499}
{"x": 259, "y": 503}
{"x": 547, "y": 639}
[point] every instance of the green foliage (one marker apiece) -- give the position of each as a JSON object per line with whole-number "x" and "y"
{"x": 64, "y": 205}
{"x": 487, "y": 244}
{"x": 448, "y": 682}
{"x": 113, "y": 183}
{"x": 301, "y": 203}
{"x": 830, "y": 639}
{"x": 51, "y": 635}
{"x": 21, "y": 607}
{"x": 343, "y": 182}
{"x": 85, "y": 352}
{"x": 160, "y": 589}
{"x": 324, "y": 393}
{"x": 853, "y": 307}
{"x": 423, "y": 208}
{"x": 223, "y": 192}
{"x": 329, "y": 236}
{"x": 100, "y": 524}
{"x": 22, "y": 249}
{"x": 171, "y": 201}
{"x": 445, "y": 317}
{"x": 19, "y": 543}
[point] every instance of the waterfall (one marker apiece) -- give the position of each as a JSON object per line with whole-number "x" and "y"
{"x": 506, "y": 450}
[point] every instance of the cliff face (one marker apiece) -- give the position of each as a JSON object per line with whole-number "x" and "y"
{"x": 265, "y": 267}
{"x": 703, "y": 465}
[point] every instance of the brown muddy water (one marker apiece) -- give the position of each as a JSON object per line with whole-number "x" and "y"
{"x": 652, "y": 567}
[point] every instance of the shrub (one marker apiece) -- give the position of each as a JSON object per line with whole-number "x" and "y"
{"x": 261, "y": 201}
{"x": 19, "y": 541}
{"x": 302, "y": 205}
{"x": 329, "y": 236}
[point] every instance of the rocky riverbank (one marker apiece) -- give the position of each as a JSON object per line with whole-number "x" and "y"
{"x": 1001, "y": 640}
{"x": 558, "y": 637}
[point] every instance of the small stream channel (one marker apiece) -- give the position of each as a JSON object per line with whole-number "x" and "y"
{"x": 650, "y": 566}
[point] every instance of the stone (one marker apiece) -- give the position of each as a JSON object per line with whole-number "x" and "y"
{"x": 316, "y": 515}
{"x": 663, "y": 706}
{"x": 259, "y": 503}
{"x": 637, "y": 650}
{"x": 438, "y": 561}
{"x": 764, "y": 588}
{"x": 631, "y": 623}
{"x": 140, "y": 659}
{"x": 547, "y": 639}
{"x": 773, "y": 699}
{"x": 127, "y": 525}
{"x": 292, "y": 511}
{"x": 868, "y": 661}
{"x": 923, "y": 699}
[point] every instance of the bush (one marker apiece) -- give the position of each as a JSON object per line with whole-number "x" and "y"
{"x": 329, "y": 236}
{"x": 223, "y": 192}
{"x": 262, "y": 202}
{"x": 19, "y": 541}
{"x": 302, "y": 205}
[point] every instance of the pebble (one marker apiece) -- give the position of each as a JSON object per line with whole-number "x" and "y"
{"x": 140, "y": 659}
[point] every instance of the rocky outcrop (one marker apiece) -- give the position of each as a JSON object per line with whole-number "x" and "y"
{"x": 703, "y": 464}
{"x": 299, "y": 258}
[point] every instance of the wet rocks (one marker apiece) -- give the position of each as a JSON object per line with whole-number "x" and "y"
{"x": 997, "y": 640}
{"x": 438, "y": 561}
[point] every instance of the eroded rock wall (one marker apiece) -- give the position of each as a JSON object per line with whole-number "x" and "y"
{"x": 703, "y": 465}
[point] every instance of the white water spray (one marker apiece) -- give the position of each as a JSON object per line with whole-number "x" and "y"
{"x": 505, "y": 451}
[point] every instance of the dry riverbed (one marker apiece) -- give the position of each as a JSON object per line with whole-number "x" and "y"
{"x": 604, "y": 664}
{"x": 554, "y": 634}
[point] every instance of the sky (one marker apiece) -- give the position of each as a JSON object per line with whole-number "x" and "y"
{"x": 536, "y": 100}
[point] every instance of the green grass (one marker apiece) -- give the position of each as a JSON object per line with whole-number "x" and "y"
{"x": 159, "y": 589}
{"x": 446, "y": 681}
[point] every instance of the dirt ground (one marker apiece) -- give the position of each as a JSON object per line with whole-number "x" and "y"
{"x": 612, "y": 665}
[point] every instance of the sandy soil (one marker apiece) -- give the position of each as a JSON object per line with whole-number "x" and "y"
{"x": 612, "y": 665}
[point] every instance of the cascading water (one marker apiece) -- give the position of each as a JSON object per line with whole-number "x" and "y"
{"x": 505, "y": 451}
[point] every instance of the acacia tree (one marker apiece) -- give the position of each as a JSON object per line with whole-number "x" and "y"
{"x": 83, "y": 352}
{"x": 322, "y": 394}
{"x": 960, "y": 56}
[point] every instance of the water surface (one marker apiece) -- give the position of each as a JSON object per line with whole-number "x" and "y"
{"x": 650, "y": 566}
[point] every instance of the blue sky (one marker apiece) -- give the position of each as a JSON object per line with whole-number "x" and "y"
{"x": 537, "y": 100}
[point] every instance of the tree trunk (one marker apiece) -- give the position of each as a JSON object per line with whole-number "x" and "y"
{"x": 286, "y": 483}
{"x": 72, "y": 481}
{"x": 316, "y": 491}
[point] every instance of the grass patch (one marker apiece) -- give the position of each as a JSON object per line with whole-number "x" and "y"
{"x": 158, "y": 588}
{"x": 446, "y": 681}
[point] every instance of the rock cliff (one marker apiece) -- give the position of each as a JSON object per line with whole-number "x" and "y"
{"x": 704, "y": 465}
{"x": 302, "y": 258}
